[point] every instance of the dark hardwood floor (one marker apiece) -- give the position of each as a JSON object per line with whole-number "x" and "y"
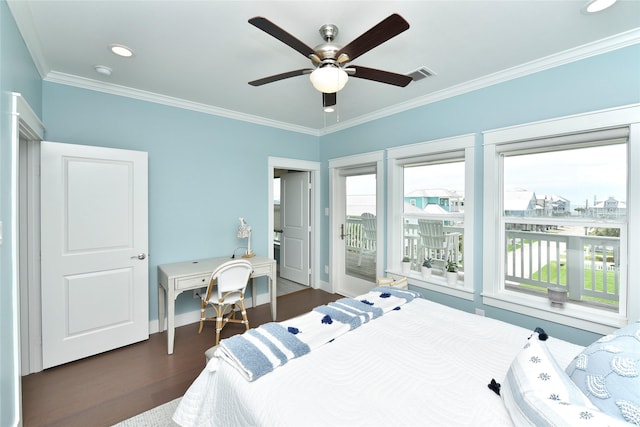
{"x": 107, "y": 388}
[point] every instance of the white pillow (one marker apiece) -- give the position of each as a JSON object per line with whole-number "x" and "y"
{"x": 537, "y": 392}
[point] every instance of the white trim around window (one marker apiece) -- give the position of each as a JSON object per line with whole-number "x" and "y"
{"x": 460, "y": 147}
{"x": 563, "y": 131}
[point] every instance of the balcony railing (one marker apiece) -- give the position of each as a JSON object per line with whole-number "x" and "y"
{"x": 355, "y": 235}
{"x": 586, "y": 266}
{"x": 361, "y": 254}
{"x": 542, "y": 257}
{"x": 413, "y": 249}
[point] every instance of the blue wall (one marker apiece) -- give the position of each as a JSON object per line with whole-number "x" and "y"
{"x": 204, "y": 171}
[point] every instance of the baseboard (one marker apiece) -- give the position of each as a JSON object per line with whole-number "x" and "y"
{"x": 324, "y": 286}
{"x": 193, "y": 316}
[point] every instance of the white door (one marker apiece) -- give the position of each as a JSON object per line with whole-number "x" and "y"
{"x": 294, "y": 211}
{"x": 356, "y": 223}
{"x": 95, "y": 271}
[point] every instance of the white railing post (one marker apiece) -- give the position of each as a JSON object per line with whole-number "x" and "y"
{"x": 575, "y": 267}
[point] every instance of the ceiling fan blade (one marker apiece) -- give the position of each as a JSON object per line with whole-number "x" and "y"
{"x": 381, "y": 76}
{"x": 280, "y": 76}
{"x": 329, "y": 99}
{"x": 378, "y": 34}
{"x": 270, "y": 28}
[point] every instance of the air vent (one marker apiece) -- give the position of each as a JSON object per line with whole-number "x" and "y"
{"x": 421, "y": 73}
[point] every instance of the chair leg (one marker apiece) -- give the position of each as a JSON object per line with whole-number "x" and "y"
{"x": 244, "y": 314}
{"x": 218, "y": 325}
{"x": 202, "y": 317}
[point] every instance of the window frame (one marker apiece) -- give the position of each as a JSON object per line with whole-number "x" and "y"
{"x": 457, "y": 147}
{"x": 536, "y": 135}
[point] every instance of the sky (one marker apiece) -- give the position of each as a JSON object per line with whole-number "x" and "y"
{"x": 449, "y": 176}
{"x": 578, "y": 175}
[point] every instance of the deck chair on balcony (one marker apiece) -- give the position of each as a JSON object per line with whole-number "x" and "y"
{"x": 368, "y": 243}
{"x": 225, "y": 294}
{"x": 434, "y": 243}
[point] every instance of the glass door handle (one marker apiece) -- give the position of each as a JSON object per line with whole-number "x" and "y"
{"x": 342, "y": 235}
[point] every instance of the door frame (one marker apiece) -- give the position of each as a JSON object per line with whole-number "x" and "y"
{"x": 27, "y": 249}
{"x": 336, "y": 208}
{"x": 26, "y": 126}
{"x": 29, "y": 256}
{"x": 314, "y": 204}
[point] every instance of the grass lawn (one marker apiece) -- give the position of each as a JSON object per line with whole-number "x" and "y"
{"x": 551, "y": 270}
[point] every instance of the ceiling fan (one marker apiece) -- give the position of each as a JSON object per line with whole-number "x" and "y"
{"x": 330, "y": 60}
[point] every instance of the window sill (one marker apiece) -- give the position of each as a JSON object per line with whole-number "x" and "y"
{"x": 587, "y": 318}
{"x": 436, "y": 284}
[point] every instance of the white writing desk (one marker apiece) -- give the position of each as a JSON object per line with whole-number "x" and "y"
{"x": 173, "y": 279}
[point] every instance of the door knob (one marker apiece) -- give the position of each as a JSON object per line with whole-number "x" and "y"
{"x": 139, "y": 256}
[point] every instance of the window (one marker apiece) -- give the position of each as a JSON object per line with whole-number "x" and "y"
{"x": 556, "y": 216}
{"x": 429, "y": 185}
{"x": 555, "y": 236}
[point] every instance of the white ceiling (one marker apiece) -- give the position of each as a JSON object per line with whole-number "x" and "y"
{"x": 201, "y": 54}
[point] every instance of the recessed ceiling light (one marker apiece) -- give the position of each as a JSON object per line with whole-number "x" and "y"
{"x": 121, "y": 50}
{"x": 103, "y": 69}
{"x": 594, "y": 6}
{"x": 329, "y": 109}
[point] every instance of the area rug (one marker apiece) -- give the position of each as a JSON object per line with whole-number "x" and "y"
{"x": 160, "y": 416}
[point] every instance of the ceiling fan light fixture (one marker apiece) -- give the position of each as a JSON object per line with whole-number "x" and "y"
{"x": 328, "y": 79}
{"x": 594, "y": 6}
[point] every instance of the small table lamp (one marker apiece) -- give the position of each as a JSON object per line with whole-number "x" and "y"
{"x": 244, "y": 232}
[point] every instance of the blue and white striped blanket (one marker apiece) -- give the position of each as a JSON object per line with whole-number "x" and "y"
{"x": 261, "y": 350}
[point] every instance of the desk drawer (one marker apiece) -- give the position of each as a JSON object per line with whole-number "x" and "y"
{"x": 193, "y": 282}
{"x": 261, "y": 270}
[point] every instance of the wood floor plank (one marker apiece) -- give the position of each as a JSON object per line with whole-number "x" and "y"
{"x": 107, "y": 388}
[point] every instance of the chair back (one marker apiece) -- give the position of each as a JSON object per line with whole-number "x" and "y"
{"x": 369, "y": 226}
{"x": 431, "y": 233}
{"x": 231, "y": 276}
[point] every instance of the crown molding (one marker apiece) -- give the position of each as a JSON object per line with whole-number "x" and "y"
{"x": 113, "y": 89}
{"x": 22, "y": 9}
{"x": 599, "y": 47}
{"x": 572, "y": 55}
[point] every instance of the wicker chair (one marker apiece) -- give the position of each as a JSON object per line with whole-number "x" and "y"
{"x": 225, "y": 294}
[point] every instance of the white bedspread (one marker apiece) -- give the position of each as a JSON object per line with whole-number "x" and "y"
{"x": 426, "y": 364}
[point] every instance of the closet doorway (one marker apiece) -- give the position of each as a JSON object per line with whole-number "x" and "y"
{"x": 293, "y": 221}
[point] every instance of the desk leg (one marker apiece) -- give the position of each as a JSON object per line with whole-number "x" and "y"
{"x": 274, "y": 294}
{"x": 254, "y": 292}
{"x": 171, "y": 312}
{"x": 162, "y": 302}
{"x": 170, "y": 327}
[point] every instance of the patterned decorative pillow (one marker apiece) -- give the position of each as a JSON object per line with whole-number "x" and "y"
{"x": 537, "y": 392}
{"x": 608, "y": 373}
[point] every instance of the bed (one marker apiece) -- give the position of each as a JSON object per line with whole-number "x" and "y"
{"x": 419, "y": 363}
